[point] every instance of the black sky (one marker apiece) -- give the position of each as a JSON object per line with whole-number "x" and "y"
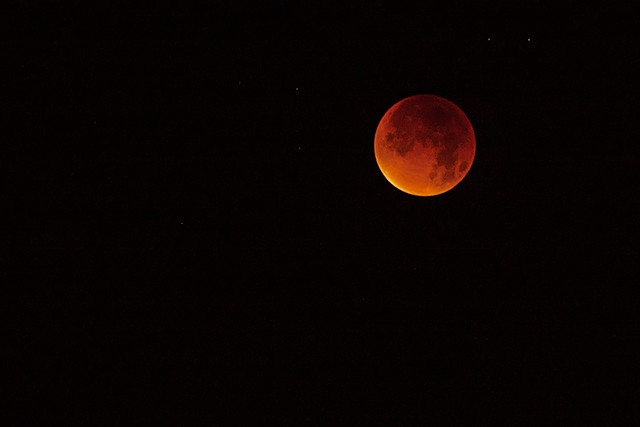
{"x": 200, "y": 230}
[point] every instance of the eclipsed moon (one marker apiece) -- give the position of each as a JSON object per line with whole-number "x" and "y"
{"x": 425, "y": 145}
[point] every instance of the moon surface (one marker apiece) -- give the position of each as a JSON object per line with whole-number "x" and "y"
{"x": 425, "y": 145}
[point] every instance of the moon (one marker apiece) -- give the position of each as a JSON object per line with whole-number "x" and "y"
{"x": 425, "y": 145}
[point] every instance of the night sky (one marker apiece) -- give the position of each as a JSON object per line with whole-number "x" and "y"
{"x": 198, "y": 230}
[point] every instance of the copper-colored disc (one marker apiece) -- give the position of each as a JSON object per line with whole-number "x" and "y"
{"x": 425, "y": 145}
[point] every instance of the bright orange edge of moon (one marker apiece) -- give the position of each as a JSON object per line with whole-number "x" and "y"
{"x": 425, "y": 145}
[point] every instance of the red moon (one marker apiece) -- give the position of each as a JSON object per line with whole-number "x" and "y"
{"x": 425, "y": 145}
